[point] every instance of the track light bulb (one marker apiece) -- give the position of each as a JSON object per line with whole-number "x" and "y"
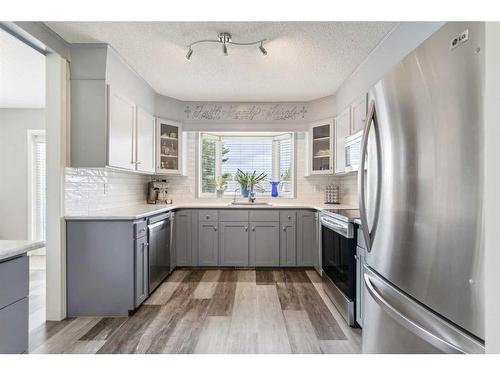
{"x": 190, "y": 52}
{"x": 262, "y": 49}
{"x": 224, "y": 49}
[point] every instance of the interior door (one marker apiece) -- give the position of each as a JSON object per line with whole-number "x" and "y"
{"x": 145, "y": 141}
{"x": 121, "y": 111}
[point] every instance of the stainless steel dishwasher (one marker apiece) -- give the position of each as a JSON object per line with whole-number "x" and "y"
{"x": 159, "y": 249}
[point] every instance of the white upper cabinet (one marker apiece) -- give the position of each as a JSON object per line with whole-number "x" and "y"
{"x": 320, "y": 147}
{"x": 121, "y": 131}
{"x": 342, "y": 130}
{"x": 145, "y": 136}
{"x": 169, "y": 147}
{"x": 358, "y": 114}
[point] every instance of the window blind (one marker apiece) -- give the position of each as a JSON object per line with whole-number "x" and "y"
{"x": 39, "y": 186}
{"x": 251, "y": 154}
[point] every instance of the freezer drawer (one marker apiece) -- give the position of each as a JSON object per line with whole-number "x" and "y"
{"x": 395, "y": 323}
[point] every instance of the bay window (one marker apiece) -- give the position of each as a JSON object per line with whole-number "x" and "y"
{"x": 222, "y": 154}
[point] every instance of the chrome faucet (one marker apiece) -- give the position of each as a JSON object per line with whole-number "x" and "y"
{"x": 251, "y": 194}
{"x": 235, "y": 190}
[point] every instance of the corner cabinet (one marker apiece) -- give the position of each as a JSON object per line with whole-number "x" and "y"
{"x": 320, "y": 147}
{"x": 169, "y": 147}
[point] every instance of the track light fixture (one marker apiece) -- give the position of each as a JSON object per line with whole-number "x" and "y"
{"x": 225, "y": 39}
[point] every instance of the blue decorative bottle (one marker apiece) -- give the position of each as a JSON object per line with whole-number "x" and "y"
{"x": 274, "y": 190}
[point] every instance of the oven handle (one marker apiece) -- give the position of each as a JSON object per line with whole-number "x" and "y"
{"x": 338, "y": 228}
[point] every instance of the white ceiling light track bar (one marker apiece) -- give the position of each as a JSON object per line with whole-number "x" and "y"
{"x": 225, "y": 39}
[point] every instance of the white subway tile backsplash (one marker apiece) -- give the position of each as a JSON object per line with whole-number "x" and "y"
{"x": 85, "y": 191}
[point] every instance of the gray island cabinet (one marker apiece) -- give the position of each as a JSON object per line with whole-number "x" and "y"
{"x": 14, "y": 290}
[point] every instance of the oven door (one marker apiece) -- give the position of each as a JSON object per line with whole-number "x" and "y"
{"x": 339, "y": 265}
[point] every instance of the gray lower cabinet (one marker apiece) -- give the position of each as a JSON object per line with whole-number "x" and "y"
{"x": 288, "y": 244}
{"x": 183, "y": 238}
{"x": 264, "y": 244}
{"x": 306, "y": 239}
{"x": 234, "y": 244}
{"x": 106, "y": 263}
{"x": 208, "y": 243}
{"x": 14, "y": 312}
{"x": 141, "y": 270}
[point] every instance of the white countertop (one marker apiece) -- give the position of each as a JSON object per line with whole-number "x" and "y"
{"x": 145, "y": 210}
{"x": 12, "y": 248}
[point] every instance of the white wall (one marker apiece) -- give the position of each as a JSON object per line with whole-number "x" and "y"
{"x": 492, "y": 186}
{"x": 14, "y": 124}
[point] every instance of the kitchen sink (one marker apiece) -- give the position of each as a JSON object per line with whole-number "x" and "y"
{"x": 249, "y": 204}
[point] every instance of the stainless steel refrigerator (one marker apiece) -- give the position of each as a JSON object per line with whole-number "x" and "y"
{"x": 421, "y": 199}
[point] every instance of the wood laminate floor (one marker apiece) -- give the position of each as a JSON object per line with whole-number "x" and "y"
{"x": 214, "y": 311}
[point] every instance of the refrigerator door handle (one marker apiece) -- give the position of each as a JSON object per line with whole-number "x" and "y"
{"x": 369, "y": 232}
{"x": 412, "y": 319}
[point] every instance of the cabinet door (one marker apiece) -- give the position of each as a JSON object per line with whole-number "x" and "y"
{"x": 342, "y": 128}
{"x": 321, "y": 147}
{"x": 145, "y": 141}
{"x": 264, "y": 244}
{"x": 306, "y": 239}
{"x": 183, "y": 238}
{"x": 358, "y": 114}
{"x": 121, "y": 112}
{"x": 141, "y": 274}
{"x": 169, "y": 147}
{"x": 234, "y": 244}
{"x": 208, "y": 244}
{"x": 288, "y": 244}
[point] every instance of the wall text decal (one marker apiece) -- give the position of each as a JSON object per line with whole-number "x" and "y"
{"x": 245, "y": 112}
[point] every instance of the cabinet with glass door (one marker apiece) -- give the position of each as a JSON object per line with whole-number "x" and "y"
{"x": 169, "y": 147}
{"x": 321, "y": 147}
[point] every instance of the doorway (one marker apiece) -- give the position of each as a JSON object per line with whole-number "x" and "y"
{"x": 22, "y": 158}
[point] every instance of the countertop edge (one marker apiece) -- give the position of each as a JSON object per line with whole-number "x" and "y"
{"x": 17, "y": 250}
{"x": 155, "y": 211}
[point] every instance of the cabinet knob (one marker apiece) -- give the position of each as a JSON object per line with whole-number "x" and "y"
{"x": 215, "y": 228}
{"x": 253, "y": 229}
{"x": 207, "y": 217}
{"x": 289, "y": 217}
{"x": 246, "y": 228}
{"x": 284, "y": 229}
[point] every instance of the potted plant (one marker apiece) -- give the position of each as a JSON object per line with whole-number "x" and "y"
{"x": 220, "y": 184}
{"x": 248, "y": 180}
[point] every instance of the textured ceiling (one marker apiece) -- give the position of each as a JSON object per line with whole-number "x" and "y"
{"x": 305, "y": 60}
{"x": 22, "y": 74}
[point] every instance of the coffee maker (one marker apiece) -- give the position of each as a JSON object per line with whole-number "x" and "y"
{"x": 157, "y": 192}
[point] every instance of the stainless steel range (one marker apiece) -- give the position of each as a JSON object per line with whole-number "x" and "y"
{"x": 338, "y": 245}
